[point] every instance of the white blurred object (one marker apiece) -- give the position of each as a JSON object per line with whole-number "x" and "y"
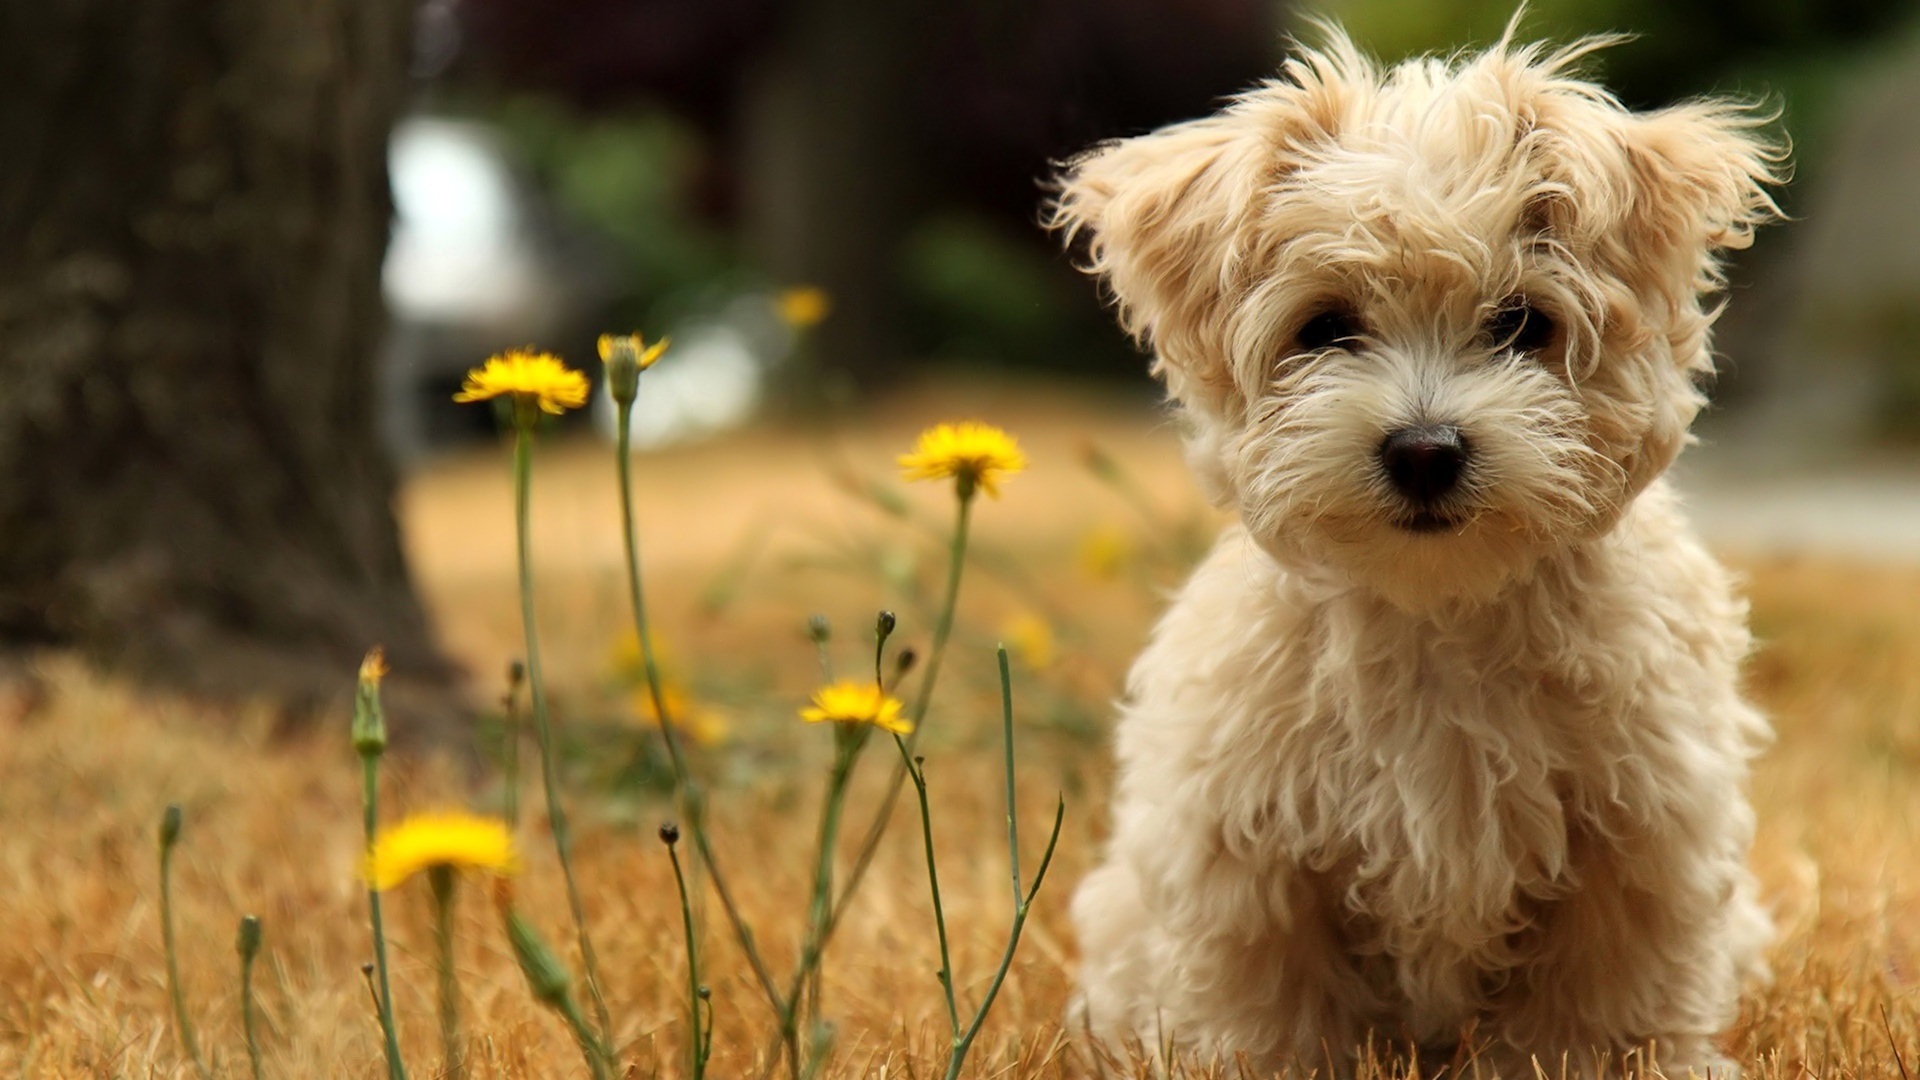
{"x": 473, "y": 265}
{"x": 461, "y": 250}
{"x": 711, "y": 379}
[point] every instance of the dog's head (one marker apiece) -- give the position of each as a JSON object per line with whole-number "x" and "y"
{"x": 1431, "y": 322}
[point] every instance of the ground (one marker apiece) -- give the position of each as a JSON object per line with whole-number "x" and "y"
{"x": 743, "y": 538}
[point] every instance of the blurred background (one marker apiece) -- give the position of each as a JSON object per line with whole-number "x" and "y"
{"x": 611, "y": 163}
{"x": 247, "y": 253}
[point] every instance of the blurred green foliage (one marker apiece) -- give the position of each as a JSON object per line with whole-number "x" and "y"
{"x": 628, "y": 179}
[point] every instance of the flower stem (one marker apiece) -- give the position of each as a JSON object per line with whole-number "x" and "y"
{"x": 692, "y": 803}
{"x": 443, "y": 882}
{"x": 1022, "y": 896}
{"x": 1006, "y": 739}
{"x": 549, "y": 982}
{"x": 636, "y": 595}
{"x": 510, "y": 764}
{"x": 590, "y": 1048}
{"x": 697, "y": 1044}
{"x": 249, "y": 948}
{"x": 917, "y": 770}
{"x": 964, "y": 1043}
{"x": 813, "y": 946}
{"x": 370, "y": 812}
{"x": 943, "y": 629}
{"x": 169, "y": 836}
{"x": 542, "y": 722}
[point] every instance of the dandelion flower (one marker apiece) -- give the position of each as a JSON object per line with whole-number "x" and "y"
{"x": 456, "y": 840}
{"x": 1030, "y": 637}
{"x": 1104, "y": 552}
{"x": 803, "y": 307}
{"x": 851, "y": 702}
{"x": 975, "y": 454}
{"x": 615, "y": 345}
{"x": 535, "y": 378}
{"x": 373, "y": 667}
{"x": 699, "y": 722}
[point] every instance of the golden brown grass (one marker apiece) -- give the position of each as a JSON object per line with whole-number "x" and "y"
{"x": 272, "y": 820}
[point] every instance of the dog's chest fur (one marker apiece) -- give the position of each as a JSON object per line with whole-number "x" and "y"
{"x": 1436, "y": 781}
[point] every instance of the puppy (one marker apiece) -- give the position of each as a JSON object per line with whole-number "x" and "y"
{"x": 1444, "y": 739}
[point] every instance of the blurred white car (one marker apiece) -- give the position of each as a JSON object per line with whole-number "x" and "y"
{"x": 475, "y": 264}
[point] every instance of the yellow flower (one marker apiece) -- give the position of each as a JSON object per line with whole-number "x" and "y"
{"x": 1030, "y": 638}
{"x": 803, "y": 307}
{"x": 533, "y": 377}
{"x": 850, "y": 702}
{"x": 704, "y": 725}
{"x": 455, "y": 839}
{"x": 643, "y": 355}
{"x": 1104, "y": 552}
{"x": 975, "y": 454}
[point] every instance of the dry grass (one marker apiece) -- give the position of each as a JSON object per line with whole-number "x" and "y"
{"x": 272, "y": 820}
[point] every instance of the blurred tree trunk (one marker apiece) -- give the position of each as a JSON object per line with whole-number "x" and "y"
{"x": 193, "y": 212}
{"x": 828, "y": 187}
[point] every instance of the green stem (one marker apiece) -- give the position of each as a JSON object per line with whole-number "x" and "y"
{"x": 636, "y": 595}
{"x": 697, "y": 1044}
{"x": 590, "y": 1047}
{"x": 964, "y": 1044}
{"x": 690, "y": 797}
{"x": 511, "y": 763}
{"x": 169, "y": 835}
{"x": 943, "y": 629}
{"x": 813, "y": 947}
{"x": 1022, "y": 897}
{"x": 443, "y": 882}
{"x": 370, "y": 813}
{"x": 249, "y": 948}
{"x": 542, "y": 722}
{"x": 1006, "y": 739}
{"x": 918, "y": 772}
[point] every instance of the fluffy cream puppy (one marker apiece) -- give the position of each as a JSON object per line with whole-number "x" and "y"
{"x": 1444, "y": 738}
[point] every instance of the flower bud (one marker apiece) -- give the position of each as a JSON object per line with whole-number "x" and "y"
{"x": 547, "y": 978}
{"x": 170, "y": 826}
{"x": 669, "y": 833}
{"x": 883, "y": 626}
{"x": 626, "y": 356}
{"x": 248, "y": 942}
{"x": 818, "y": 629}
{"x": 369, "y": 720}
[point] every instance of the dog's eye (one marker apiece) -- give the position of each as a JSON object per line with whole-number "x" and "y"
{"x": 1327, "y": 330}
{"x": 1520, "y": 327}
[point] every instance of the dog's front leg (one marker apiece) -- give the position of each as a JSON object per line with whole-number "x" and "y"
{"x": 1191, "y": 949}
{"x": 1634, "y": 972}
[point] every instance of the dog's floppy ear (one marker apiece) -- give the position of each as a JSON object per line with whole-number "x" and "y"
{"x": 1158, "y": 215}
{"x": 1163, "y": 218}
{"x": 1693, "y": 182}
{"x": 1700, "y": 174}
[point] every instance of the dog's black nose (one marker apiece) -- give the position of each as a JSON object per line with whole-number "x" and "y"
{"x": 1424, "y": 462}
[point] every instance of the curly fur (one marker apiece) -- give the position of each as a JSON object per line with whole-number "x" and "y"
{"x": 1380, "y": 782}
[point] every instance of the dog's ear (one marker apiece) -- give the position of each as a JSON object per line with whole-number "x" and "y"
{"x": 1700, "y": 178}
{"x": 1672, "y": 191}
{"x": 1164, "y": 218}
{"x": 1155, "y": 218}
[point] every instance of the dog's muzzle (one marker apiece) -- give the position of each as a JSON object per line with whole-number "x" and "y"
{"x": 1425, "y": 464}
